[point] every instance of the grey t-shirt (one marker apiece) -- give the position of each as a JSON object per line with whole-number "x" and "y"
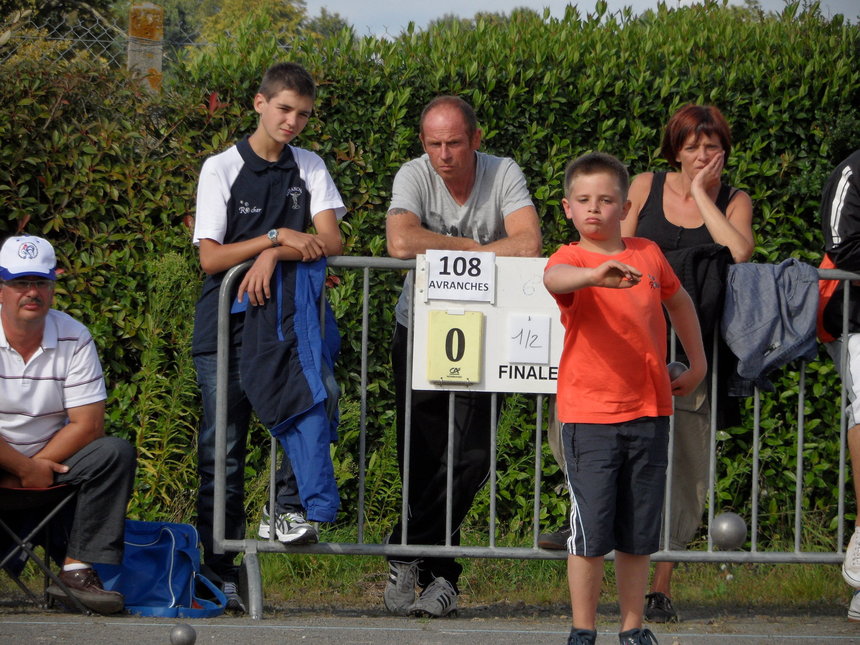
{"x": 499, "y": 190}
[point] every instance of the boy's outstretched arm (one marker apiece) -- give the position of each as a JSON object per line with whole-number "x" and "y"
{"x": 565, "y": 278}
{"x": 682, "y": 313}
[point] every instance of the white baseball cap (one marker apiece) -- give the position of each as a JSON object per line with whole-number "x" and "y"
{"x": 27, "y": 255}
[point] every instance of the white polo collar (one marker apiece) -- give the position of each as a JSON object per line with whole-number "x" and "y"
{"x": 50, "y": 336}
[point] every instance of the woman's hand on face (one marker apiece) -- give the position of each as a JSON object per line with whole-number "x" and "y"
{"x": 709, "y": 176}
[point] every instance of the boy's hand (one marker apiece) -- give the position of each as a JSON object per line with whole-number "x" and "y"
{"x": 615, "y": 275}
{"x": 257, "y": 278}
{"x": 309, "y": 245}
{"x": 688, "y": 380}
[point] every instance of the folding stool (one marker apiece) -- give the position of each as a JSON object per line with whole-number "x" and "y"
{"x": 50, "y": 501}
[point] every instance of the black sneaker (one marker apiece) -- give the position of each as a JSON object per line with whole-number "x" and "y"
{"x": 234, "y": 600}
{"x": 659, "y": 609}
{"x": 582, "y": 637}
{"x": 554, "y": 541}
{"x": 638, "y": 636}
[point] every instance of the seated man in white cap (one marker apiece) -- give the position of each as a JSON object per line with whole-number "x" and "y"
{"x": 52, "y": 407}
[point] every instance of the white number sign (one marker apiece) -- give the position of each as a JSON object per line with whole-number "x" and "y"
{"x": 461, "y": 275}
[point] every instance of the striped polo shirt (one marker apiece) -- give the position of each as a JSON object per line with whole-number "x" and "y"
{"x": 64, "y": 373}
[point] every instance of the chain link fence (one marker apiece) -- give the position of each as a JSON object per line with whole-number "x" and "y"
{"x": 52, "y": 40}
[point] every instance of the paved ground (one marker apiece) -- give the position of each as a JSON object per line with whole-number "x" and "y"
{"x": 475, "y": 626}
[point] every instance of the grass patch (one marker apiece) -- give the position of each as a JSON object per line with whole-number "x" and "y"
{"x": 355, "y": 582}
{"x": 358, "y": 581}
{"x": 301, "y": 581}
{"x": 759, "y": 585}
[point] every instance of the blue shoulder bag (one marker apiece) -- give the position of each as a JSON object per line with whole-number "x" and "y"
{"x": 160, "y": 572}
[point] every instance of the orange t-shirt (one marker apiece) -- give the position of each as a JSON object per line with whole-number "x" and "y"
{"x": 613, "y": 363}
{"x": 826, "y": 289}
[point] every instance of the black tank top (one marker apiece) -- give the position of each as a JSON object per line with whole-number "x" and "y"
{"x": 654, "y": 226}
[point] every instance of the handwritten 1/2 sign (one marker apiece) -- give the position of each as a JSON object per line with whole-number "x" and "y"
{"x": 461, "y": 275}
{"x": 528, "y": 338}
{"x": 455, "y": 340}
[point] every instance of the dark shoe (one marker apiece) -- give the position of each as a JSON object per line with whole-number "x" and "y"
{"x": 234, "y": 600}
{"x": 582, "y": 637}
{"x": 659, "y": 609}
{"x": 638, "y": 637}
{"x": 86, "y": 586}
{"x": 554, "y": 541}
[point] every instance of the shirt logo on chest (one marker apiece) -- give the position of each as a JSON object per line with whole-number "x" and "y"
{"x": 246, "y": 209}
{"x": 295, "y": 192}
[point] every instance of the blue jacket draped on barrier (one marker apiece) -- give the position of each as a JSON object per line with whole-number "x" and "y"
{"x": 287, "y": 371}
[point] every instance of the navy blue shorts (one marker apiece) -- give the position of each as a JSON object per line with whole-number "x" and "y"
{"x": 616, "y": 475}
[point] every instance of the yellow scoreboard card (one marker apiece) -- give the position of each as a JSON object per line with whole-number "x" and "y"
{"x": 455, "y": 342}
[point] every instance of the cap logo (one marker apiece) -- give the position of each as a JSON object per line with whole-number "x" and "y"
{"x": 28, "y": 251}
{"x": 27, "y": 255}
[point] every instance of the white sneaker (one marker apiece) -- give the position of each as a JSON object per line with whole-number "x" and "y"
{"x": 854, "y": 608}
{"x": 399, "y": 594}
{"x": 290, "y": 528}
{"x": 437, "y": 600}
{"x": 851, "y": 565}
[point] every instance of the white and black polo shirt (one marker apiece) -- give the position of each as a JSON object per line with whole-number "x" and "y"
{"x": 241, "y": 196}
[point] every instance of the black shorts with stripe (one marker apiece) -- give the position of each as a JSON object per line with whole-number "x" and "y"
{"x": 617, "y": 478}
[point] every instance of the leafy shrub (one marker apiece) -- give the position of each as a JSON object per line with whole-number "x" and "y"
{"x": 108, "y": 173}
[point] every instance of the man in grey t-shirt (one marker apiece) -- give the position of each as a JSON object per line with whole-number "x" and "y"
{"x": 451, "y": 198}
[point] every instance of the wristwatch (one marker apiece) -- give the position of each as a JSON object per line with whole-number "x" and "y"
{"x": 273, "y": 237}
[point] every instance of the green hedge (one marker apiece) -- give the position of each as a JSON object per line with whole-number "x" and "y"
{"x": 108, "y": 173}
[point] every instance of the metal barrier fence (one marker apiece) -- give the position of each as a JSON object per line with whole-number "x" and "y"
{"x": 251, "y": 547}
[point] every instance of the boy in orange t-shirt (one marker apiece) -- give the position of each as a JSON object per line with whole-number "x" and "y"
{"x": 614, "y": 392}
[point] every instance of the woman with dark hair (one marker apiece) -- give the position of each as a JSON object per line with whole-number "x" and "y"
{"x": 698, "y": 221}
{"x": 691, "y": 205}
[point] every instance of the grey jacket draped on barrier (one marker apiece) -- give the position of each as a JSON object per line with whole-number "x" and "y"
{"x": 769, "y": 316}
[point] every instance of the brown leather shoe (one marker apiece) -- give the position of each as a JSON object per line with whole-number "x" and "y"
{"x": 86, "y": 586}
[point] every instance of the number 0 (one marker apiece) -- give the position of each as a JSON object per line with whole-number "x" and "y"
{"x": 455, "y": 344}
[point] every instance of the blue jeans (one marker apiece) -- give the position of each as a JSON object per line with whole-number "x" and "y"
{"x": 238, "y": 419}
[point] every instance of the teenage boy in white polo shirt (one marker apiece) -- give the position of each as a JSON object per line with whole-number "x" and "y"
{"x": 52, "y": 406}
{"x": 267, "y": 200}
